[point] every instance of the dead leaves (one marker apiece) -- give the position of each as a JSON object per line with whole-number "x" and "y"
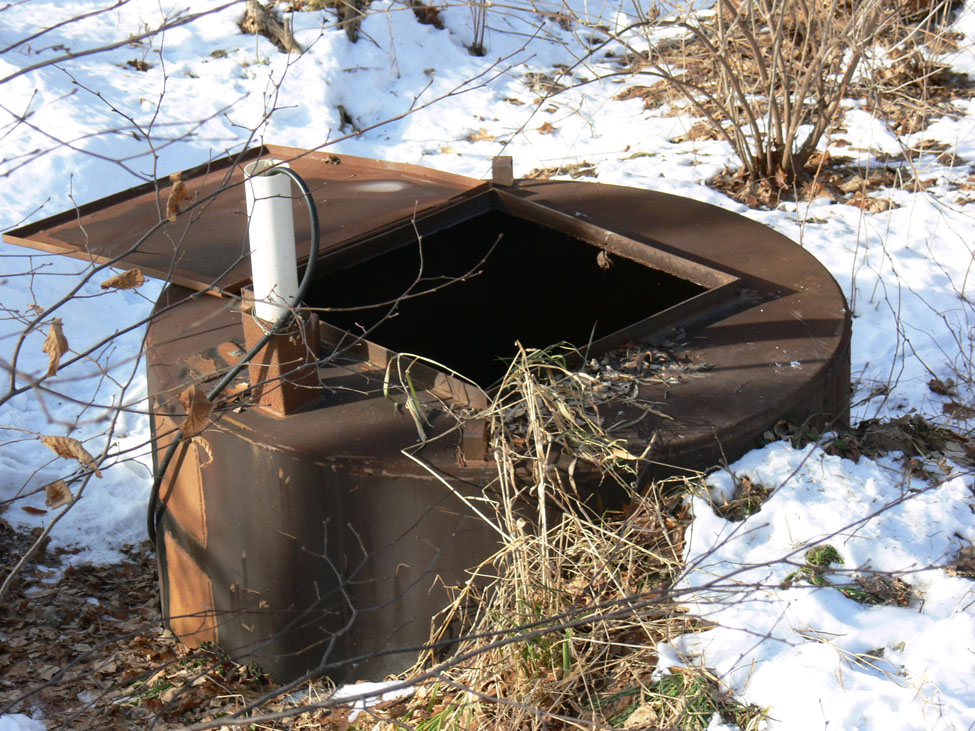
{"x": 700, "y": 130}
{"x": 964, "y": 563}
{"x": 198, "y": 408}
{"x": 178, "y": 197}
{"x": 643, "y": 717}
{"x": 634, "y": 92}
{"x": 877, "y": 588}
{"x": 946, "y": 387}
{"x": 482, "y": 135}
{"x": 70, "y": 448}
{"x": 138, "y": 64}
{"x": 129, "y": 279}
{"x": 55, "y": 345}
{"x": 546, "y": 129}
{"x": 747, "y": 499}
{"x": 952, "y": 408}
{"x": 57, "y": 494}
{"x": 577, "y": 170}
{"x": 71, "y": 623}
{"x": 955, "y": 410}
{"x": 870, "y": 204}
{"x": 823, "y": 177}
{"x": 910, "y": 434}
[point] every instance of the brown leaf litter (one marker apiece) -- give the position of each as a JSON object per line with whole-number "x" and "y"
{"x": 66, "y": 642}
{"x": 909, "y": 93}
{"x": 964, "y": 563}
{"x": 84, "y": 647}
{"x": 576, "y": 170}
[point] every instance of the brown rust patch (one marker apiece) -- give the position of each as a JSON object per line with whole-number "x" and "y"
{"x": 190, "y": 597}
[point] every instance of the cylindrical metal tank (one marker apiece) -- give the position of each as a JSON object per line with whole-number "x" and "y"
{"x": 311, "y": 542}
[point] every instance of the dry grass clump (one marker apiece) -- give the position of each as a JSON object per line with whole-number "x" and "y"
{"x": 566, "y": 628}
{"x": 562, "y": 623}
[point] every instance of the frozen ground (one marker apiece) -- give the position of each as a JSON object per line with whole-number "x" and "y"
{"x": 84, "y": 128}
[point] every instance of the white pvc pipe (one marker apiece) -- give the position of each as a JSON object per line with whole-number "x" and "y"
{"x": 271, "y": 235}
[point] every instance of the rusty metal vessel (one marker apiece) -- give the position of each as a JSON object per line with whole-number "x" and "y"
{"x": 296, "y": 532}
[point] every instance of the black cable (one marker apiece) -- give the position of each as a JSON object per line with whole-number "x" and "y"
{"x": 155, "y": 508}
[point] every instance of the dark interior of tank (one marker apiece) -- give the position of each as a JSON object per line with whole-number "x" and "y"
{"x": 463, "y": 295}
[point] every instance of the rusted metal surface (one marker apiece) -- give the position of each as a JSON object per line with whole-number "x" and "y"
{"x": 323, "y": 541}
{"x": 783, "y": 351}
{"x": 283, "y": 374}
{"x": 205, "y": 246}
{"x": 323, "y": 544}
{"x": 188, "y": 600}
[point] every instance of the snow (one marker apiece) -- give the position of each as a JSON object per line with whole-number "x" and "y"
{"x": 366, "y": 694}
{"x": 772, "y": 642}
{"x": 95, "y": 126}
{"x": 20, "y": 722}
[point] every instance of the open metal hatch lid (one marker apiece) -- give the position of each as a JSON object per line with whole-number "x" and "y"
{"x": 197, "y": 237}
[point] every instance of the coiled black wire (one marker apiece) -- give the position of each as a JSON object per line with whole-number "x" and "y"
{"x": 155, "y": 509}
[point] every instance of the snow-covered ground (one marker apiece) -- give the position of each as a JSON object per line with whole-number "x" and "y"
{"x": 89, "y": 126}
{"x": 814, "y": 657}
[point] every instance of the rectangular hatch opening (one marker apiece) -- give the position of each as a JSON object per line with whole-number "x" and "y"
{"x": 467, "y": 288}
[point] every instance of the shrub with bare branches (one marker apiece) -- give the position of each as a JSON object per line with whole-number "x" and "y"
{"x": 781, "y": 68}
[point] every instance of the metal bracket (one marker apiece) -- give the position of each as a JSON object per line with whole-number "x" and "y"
{"x": 502, "y": 170}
